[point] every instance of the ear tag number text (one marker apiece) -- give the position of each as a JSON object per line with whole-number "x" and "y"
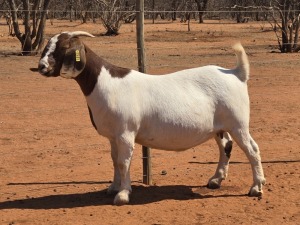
{"x": 77, "y": 56}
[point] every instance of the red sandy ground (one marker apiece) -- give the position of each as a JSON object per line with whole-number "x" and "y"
{"x": 54, "y": 168}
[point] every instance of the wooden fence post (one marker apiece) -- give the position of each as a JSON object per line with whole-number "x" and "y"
{"x": 147, "y": 175}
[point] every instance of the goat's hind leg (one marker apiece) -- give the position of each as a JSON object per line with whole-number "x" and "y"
{"x": 224, "y": 142}
{"x": 249, "y": 146}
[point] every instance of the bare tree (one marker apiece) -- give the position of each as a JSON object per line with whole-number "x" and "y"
{"x": 7, "y": 16}
{"x": 5, "y": 13}
{"x": 86, "y": 10}
{"x": 174, "y": 6}
{"x": 34, "y": 23}
{"x": 187, "y": 8}
{"x": 201, "y": 7}
{"x": 288, "y": 23}
{"x": 284, "y": 17}
{"x": 112, "y": 14}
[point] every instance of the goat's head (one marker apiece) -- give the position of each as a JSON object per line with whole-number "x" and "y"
{"x": 64, "y": 55}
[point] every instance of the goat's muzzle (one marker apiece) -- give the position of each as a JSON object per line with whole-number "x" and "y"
{"x": 44, "y": 69}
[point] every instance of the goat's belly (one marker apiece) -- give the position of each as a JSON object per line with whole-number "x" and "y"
{"x": 173, "y": 138}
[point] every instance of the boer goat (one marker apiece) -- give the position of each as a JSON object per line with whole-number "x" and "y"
{"x": 173, "y": 112}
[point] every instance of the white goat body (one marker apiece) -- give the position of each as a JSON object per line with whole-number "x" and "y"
{"x": 172, "y": 112}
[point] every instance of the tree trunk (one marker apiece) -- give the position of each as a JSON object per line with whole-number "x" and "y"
{"x": 289, "y": 47}
{"x": 38, "y": 25}
{"x": 40, "y": 33}
{"x": 284, "y": 32}
{"x": 27, "y": 44}
{"x": 84, "y": 16}
{"x": 296, "y": 33}
{"x": 71, "y": 11}
{"x": 188, "y": 18}
{"x": 14, "y": 16}
{"x": 201, "y": 7}
{"x": 34, "y": 18}
{"x": 26, "y": 38}
{"x": 153, "y": 13}
{"x": 174, "y": 10}
{"x": 239, "y": 17}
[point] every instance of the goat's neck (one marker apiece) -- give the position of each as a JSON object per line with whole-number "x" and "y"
{"x": 87, "y": 79}
{"x": 89, "y": 76}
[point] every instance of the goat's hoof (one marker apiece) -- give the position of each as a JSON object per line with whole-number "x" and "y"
{"x": 122, "y": 198}
{"x": 255, "y": 192}
{"x": 215, "y": 183}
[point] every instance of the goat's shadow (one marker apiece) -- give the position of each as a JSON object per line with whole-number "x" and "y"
{"x": 141, "y": 195}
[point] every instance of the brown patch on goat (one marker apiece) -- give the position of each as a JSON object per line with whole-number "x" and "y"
{"x": 87, "y": 79}
{"x": 220, "y": 134}
{"x": 116, "y": 71}
{"x": 75, "y": 55}
{"x": 228, "y": 148}
{"x": 228, "y": 145}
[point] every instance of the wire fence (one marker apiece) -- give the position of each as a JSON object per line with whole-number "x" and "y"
{"x": 258, "y": 9}
{"x": 154, "y": 11}
{"x": 228, "y": 10}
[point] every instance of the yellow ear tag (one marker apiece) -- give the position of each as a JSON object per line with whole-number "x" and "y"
{"x": 77, "y": 55}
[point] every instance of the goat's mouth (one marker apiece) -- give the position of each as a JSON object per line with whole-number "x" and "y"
{"x": 47, "y": 71}
{"x": 41, "y": 71}
{"x": 44, "y": 70}
{"x": 44, "y": 73}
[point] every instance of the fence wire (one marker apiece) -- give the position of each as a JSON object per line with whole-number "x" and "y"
{"x": 148, "y": 11}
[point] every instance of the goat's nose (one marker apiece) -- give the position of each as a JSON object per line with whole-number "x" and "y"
{"x": 41, "y": 67}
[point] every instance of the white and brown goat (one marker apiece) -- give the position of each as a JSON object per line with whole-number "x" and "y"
{"x": 175, "y": 111}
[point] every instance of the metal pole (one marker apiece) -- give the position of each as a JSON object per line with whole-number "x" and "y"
{"x": 147, "y": 175}
{"x": 140, "y": 35}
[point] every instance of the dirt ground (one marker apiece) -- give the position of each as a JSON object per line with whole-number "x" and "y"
{"x": 55, "y": 168}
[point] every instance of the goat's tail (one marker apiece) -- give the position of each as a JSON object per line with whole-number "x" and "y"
{"x": 242, "y": 68}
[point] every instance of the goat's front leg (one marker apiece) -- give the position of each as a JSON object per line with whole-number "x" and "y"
{"x": 224, "y": 142}
{"x": 125, "y": 148}
{"x": 115, "y": 186}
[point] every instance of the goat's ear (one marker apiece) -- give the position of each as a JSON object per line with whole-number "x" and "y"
{"x": 74, "y": 59}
